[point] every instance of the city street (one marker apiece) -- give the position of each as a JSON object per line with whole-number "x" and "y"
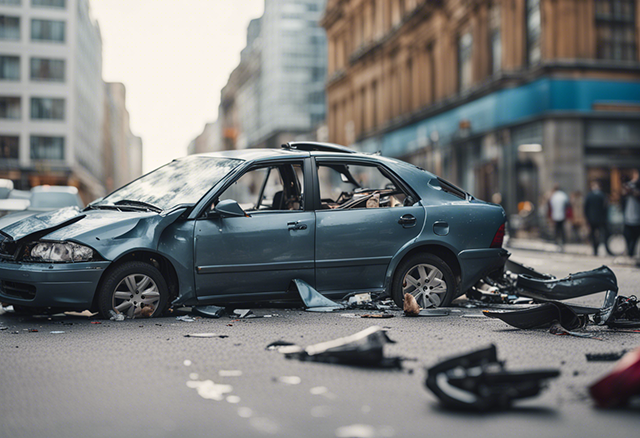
{"x": 118, "y": 379}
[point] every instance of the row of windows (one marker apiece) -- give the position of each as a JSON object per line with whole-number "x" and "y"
{"x": 42, "y": 108}
{"x": 42, "y": 147}
{"x": 40, "y": 3}
{"x": 41, "y": 30}
{"x": 41, "y": 69}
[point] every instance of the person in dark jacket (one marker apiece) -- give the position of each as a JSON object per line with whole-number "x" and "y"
{"x": 631, "y": 212}
{"x": 595, "y": 211}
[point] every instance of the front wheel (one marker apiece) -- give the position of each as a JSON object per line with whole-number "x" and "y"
{"x": 428, "y": 278}
{"x": 135, "y": 289}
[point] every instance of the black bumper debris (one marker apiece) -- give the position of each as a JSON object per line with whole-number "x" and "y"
{"x": 478, "y": 381}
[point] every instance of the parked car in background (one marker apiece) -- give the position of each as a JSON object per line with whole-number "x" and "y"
{"x": 6, "y": 185}
{"x": 41, "y": 199}
{"x": 239, "y": 226}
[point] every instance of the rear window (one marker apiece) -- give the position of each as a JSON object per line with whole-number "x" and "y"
{"x": 451, "y": 189}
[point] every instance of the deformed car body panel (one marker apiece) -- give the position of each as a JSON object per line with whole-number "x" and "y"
{"x": 114, "y": 233}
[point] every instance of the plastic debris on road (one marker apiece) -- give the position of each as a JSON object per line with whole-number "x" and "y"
{"x": 605, "y": 357}
{"x": 277, "y": 344}
{"x": 313, "y": 300}
{"x": 116, "y": 316}
{"x": 541, "y": 316}
{"x": 208, "y": 311}
{"x": 411, "y": 308}
{"x": 364, "y": 348}
{"x": 242, "y": 313}
{"x": 621, "y": 385}
{"x": 205, "y": 335}
{"x": 478, "y": 381}
{"x": 185, "y": 318}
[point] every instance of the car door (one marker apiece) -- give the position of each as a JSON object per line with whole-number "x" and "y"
{"x": 257, "y": 256}
{"x": 365, "y": 215}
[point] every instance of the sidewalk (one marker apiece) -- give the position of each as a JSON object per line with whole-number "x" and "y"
{"x": 578, "y": 249}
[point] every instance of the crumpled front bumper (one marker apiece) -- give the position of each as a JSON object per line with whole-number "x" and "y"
{"x": 68, "y": 285}
{"x": 475, "y": 264}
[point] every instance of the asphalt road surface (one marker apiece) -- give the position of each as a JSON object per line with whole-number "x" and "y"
{"x": 130, "y": 379}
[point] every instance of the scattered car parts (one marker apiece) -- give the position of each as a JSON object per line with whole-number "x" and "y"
{"x": 478, "y": 381}
{"x": 365, "y": 349}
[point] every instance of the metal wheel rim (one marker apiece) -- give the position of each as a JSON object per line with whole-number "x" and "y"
{"x": 134, "y": 293}
{"x": 426, "y": 283}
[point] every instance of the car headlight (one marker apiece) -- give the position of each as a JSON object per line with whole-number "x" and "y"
{"x": 61, "y": 252}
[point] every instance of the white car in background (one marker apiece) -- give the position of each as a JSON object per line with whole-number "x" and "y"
{"x": 42, "y": 198}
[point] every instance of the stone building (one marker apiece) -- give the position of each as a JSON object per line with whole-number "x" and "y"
{"x": 503, "y": 97}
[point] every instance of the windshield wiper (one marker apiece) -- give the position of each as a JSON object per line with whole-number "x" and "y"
{"x": 134, "y": 203}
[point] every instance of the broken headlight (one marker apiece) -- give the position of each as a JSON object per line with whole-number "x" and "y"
{"x": 60, "y": 252}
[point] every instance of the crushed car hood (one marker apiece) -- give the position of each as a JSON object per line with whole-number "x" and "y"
{"x": 41, "y": 222}
{"x": 106, "y": 231}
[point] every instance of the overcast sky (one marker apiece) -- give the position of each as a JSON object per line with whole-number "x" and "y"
{"x": 174, "y": 56}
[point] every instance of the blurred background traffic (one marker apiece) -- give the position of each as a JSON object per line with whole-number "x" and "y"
{"x": 513, "y": 100}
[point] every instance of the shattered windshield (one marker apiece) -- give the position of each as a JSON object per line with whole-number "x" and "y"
{"x": 182, "y": 181}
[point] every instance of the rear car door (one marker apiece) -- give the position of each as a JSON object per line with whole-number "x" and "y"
{"x": 365, "y": 214}
{"x": 257, "y": 256}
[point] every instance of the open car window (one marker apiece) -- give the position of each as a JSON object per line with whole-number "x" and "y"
{"x": 350, "y": 186}
{"x": 276, "y": 187}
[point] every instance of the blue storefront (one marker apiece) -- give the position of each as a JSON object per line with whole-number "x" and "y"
{"x": 513, "y": 144}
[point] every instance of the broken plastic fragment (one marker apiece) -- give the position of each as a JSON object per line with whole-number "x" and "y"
{"x": 116, "y": 316}
{"x": 605, "y": 357}
{"x": 205, "y": 335}
{"x": 364, "y": 348}
{"x": 313, "y": 299}
{"x": 377, "y": 315}
{"x": 434, "y": 312}
{"x": 208, "y": 311}
{"x": 242, "y": 313}
{"x": 478, "y": 381}
{"x": 619, "y": 386}
{"x": 185, "y": 318}
{"x": 557, "y": 329}
{"x": 277, "y": 344}
{"x": 572, "y": 286}
{"x": 542, "y": 316}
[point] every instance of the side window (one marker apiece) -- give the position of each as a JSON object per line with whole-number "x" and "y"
{"x": 277, "y": 187}
{"x": 348, "y": 186}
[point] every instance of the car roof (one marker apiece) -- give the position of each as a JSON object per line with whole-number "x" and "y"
{"x": 292, "y": 149}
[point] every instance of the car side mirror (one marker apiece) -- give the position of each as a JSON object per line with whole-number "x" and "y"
{"x": 229, "y": 208}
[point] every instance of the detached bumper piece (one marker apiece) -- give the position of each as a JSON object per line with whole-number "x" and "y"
{"x": 365, "y": 349}
{"x": 542, "y": 316}
{"x": 573, "y": 286}
{"x": 478, "y": 381}
{"x": 618, "y": 387}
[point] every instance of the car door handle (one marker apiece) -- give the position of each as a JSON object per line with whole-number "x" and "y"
{"x": 296, "y": 226}
{"x": 407, "y": 220}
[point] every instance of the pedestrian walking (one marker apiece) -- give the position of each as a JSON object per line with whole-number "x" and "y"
{"x": 631, "y": 209}
{"x": 558, "y": 208}
{"x": 595, "y": 211}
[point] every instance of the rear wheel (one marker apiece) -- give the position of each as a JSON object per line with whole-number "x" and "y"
{"x": 428, "y": 278}
{"x": 135, "y": 289}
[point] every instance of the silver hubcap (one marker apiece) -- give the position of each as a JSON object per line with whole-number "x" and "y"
{"x": 426, "y": 283}
{"x": 134, "y": 293}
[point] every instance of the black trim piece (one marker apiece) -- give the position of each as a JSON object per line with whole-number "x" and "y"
{"x": 255, "y": 267}
{"x": 344, "y": 263}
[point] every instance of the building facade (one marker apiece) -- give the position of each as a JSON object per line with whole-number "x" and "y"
{"x": 121, "y": 159}
{"x": 51, "y": 95}
{"x": 276, "y": 94}
{"x": 503, "y": 97}
{"x": 210, "y": 140}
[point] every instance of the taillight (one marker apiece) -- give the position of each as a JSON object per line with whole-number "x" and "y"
{"x": 498, "y": 238}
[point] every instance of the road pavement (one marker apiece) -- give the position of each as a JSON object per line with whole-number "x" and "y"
{"x": 131, "y": 378}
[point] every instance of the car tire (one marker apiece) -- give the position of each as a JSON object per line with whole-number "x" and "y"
{"x": 419, "y": 267}
{"x": 123, "y": 291}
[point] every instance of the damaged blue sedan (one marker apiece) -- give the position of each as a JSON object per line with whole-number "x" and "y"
{"x": 239, "y": 226}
